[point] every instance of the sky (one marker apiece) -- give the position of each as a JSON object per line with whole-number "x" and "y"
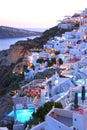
{"x": 37, "y": 13}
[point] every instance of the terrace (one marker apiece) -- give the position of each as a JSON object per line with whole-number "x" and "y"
{"x": 60, "y": 118}
{"x": 34, "y": 83}
{"x": 65, "y": 120}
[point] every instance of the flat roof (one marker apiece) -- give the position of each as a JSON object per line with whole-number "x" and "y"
{"x": 65, "y": 120}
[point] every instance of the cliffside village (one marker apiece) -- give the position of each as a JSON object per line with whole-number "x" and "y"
{"x": 55, "y": 74}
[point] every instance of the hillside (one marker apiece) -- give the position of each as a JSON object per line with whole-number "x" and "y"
{"x": 17, "y": 52}
{"x": 10, "y": 32}
{"x": 38, "y": 42}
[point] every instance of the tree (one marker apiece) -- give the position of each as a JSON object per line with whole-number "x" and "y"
{"x": 53, "y": 60}
{"x": 60, "y": 61}
{"x": 83, "y": 94}
{"x": 50, "y": 63}
{"x": 25, "y": 67}
{"x": 57, "y": 52}
{"x": 40, "y": 60}
{"x": 33, "y": 67}
{"x": 76, "y": 100}
{"x": 43, "y": 110}
{"x": 39, "y": 115}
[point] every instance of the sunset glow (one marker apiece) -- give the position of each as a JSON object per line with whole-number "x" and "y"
{"x": 37, "y": 13}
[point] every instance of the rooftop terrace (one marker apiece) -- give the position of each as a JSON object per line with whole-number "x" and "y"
{"x": 64, "y": 117}
{"x": 65, "y": 120}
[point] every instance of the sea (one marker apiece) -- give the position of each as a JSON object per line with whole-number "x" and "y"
{"x": 6, "y": 42}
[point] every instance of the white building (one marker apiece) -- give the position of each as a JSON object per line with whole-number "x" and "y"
{"x": 65, "y": 25}
{"x": 51, "y": 44}
{"x": 42, "y": 96}
{"x": 62, "y": 85}
{"x": 29, "y": 75}
{"x": 33, "y": 57}
{"x": 64, "y": 119}
{"x": 44, "y": 55}
{"x": 80, "y": 119}
{"x": 83, "y": 23}
{"x": 3, "y": 128}
{"x": 61, "y": 119}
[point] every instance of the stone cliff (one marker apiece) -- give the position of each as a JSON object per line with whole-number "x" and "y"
{"x": 15, "y": 53}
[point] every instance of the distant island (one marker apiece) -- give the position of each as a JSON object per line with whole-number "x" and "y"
{"x": 10, "y": 32}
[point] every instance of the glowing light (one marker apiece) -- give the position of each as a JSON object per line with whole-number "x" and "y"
{"x": 21, "y": 72}
{"x": 56, "y": 82}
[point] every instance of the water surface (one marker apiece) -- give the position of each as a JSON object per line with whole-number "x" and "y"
{"x": 22, "y": 115}
{"x": 5, "y": 43}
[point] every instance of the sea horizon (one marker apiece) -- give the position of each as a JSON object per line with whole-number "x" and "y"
{"x": 36, "y": 29}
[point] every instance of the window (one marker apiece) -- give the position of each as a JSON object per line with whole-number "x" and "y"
{"x": 75, "y": 119}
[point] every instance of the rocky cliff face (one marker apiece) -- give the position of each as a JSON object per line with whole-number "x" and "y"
{"x": 4, "y": 58}
{"x": 15, "y": 53}
{"x": 20, "y": 50}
